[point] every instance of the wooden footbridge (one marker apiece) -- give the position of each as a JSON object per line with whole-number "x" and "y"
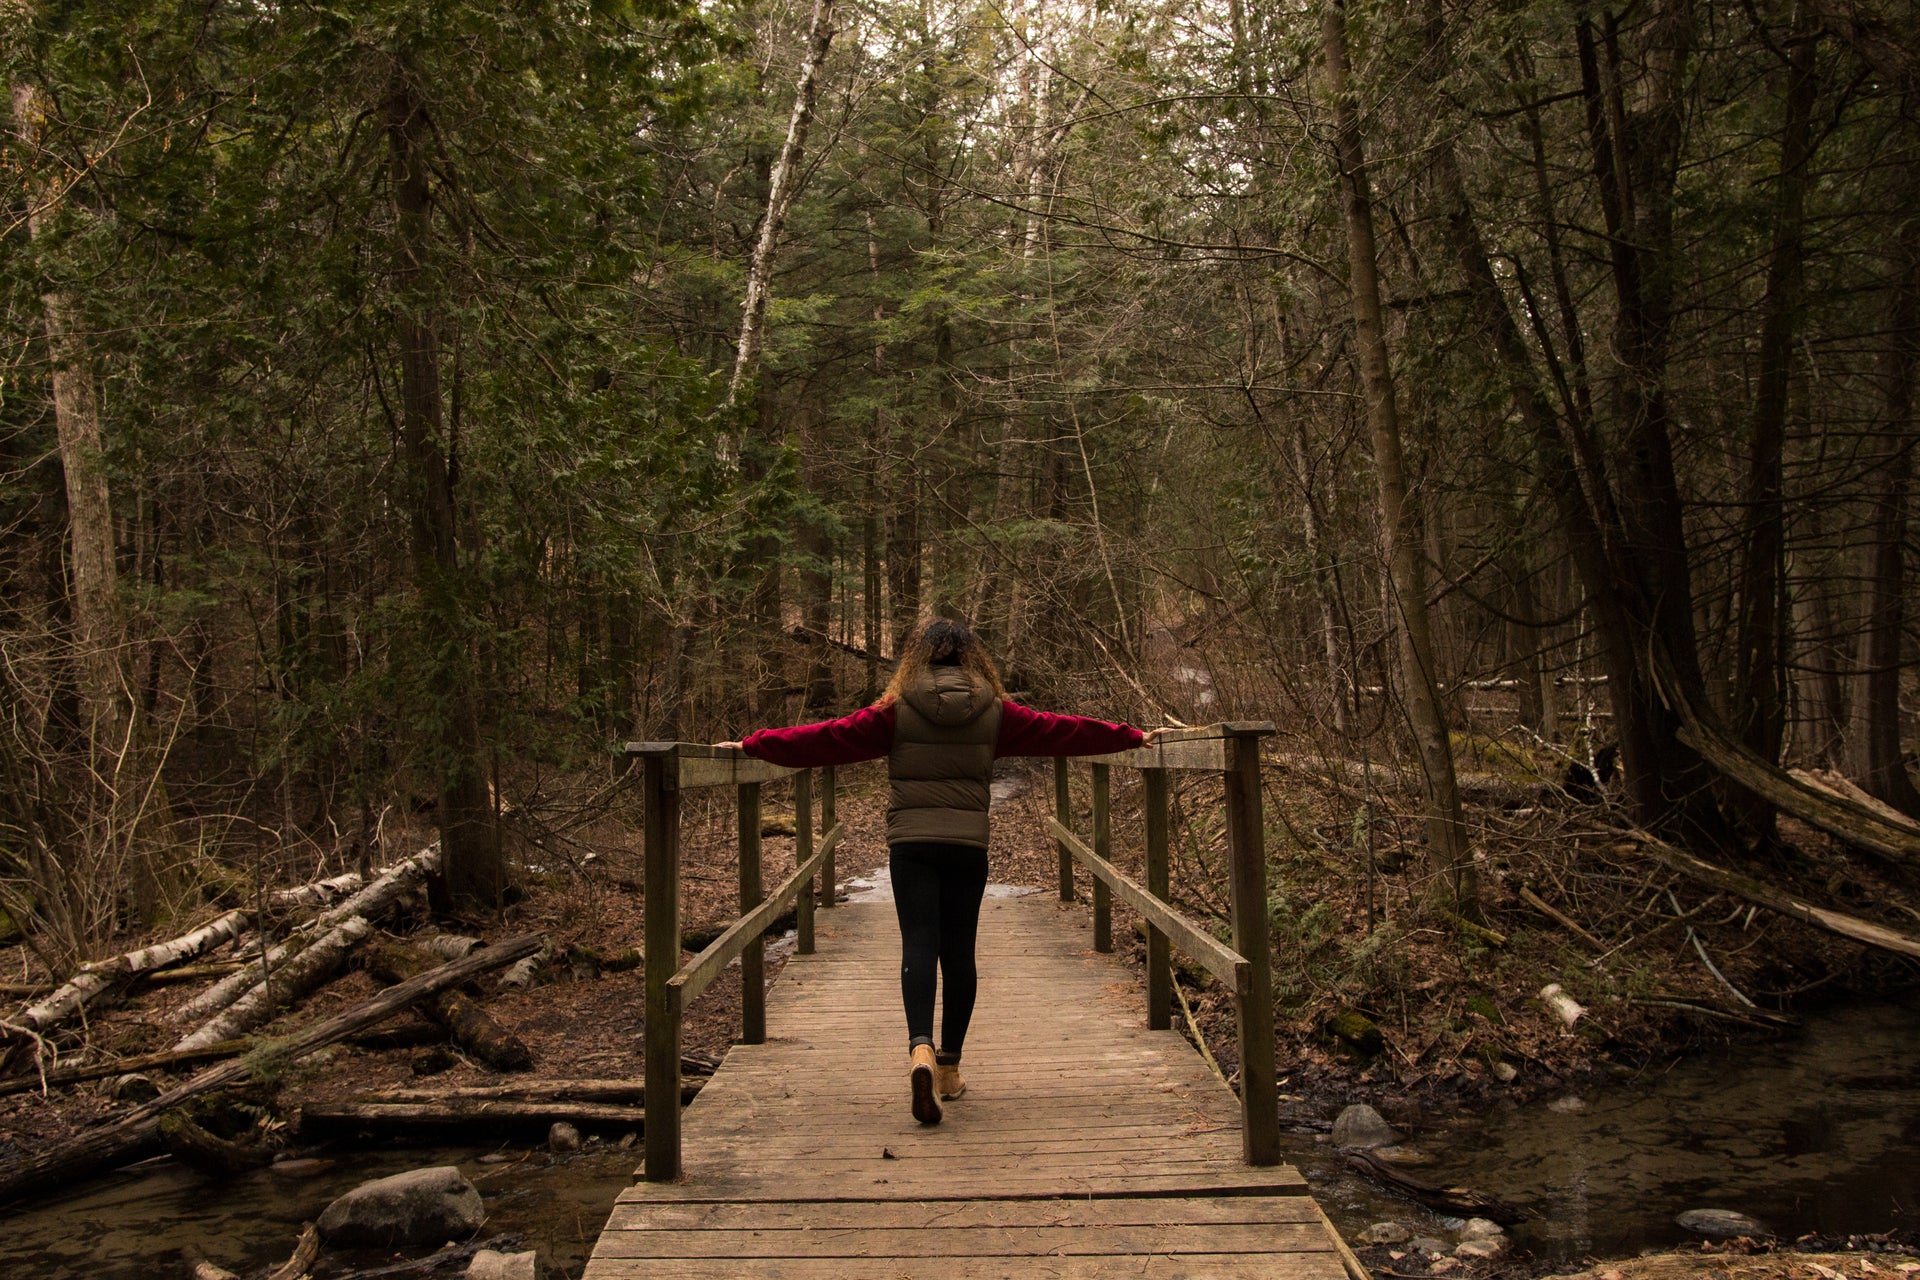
{"x": 1092, "y": 1141}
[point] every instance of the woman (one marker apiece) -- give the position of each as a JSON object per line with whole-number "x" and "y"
{"x": 941, "y": 723}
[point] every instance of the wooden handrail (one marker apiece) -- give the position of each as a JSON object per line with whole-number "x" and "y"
{"x": 668, "y": 769}
{"x": 697, "y": 973}
{"x": 1231, "y": 749}
{"x": 1222, "y": 961}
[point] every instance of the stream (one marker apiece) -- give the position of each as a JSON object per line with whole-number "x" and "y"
{"x": 1817, "y": 1132}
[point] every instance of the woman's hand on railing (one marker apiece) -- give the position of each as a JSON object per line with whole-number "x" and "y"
{"x": 1153, "y": 735}
{"x": 734, "y": 745}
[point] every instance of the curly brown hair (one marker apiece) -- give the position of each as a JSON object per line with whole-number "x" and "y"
{"x": 941, "y": 643}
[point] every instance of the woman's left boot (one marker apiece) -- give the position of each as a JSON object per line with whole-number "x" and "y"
{"x": 926, "y": 1106}
{"x": 946, "y": 1076}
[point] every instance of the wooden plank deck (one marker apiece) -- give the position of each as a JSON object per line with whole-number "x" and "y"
{"x": 1085, "y": 1146}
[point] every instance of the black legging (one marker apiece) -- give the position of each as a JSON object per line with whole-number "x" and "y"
{"x": 936, "y": 892}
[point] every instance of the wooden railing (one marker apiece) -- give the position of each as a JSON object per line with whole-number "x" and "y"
{"x": 1232, "y": 749}
{"x": 669, "y": 768}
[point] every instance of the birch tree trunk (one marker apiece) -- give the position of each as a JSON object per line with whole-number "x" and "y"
{"x": 780, "y": 193}
{"x": 98, "y": 637}
{"x": 1400, "y": 520}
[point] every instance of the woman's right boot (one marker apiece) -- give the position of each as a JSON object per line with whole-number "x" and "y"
{"x": 926, "y": 1107}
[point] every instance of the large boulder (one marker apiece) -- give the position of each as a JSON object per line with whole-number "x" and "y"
{"x": 422, "y": 1206}
{"x": 1362, "y": 1127}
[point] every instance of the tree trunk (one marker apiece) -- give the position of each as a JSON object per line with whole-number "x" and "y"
{"x": 98, "y": 633}
{"x": 1399, "y": 515}
{"x": 1877, "y": 764}
{"x": 780, "y": 193}
{"x": 475, "y": 871}
{"x": 1760, "y": 671}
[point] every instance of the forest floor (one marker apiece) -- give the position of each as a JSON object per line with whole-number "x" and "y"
{"x": 1457, "y": 1012}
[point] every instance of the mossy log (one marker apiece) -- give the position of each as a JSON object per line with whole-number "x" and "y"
{"x": 470, "y": 1026}
{"x": 195, "y": 1145}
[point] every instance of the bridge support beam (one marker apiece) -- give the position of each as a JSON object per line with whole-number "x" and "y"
{"x": 661, "y": 883}
{"x": 1246, "y": 844}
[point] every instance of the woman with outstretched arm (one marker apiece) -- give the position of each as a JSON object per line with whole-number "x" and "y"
{"x": 942, "y": 722}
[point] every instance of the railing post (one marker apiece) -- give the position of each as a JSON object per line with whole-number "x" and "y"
{"x": 1246, "y": 843}
{"x": 661, "y": 884}
{"x": 828, "y": 820}
{"x": 753, "y": 891}
{"x": 1159, "y": 884}
{"x": 1102, "y": 845}
{"x": 1063, "y": 813}
{"x": 802, "y": 850}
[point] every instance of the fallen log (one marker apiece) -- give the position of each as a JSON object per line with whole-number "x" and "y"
{"x": 135, "y": 1135}
{"x": 287, "y": 983}
{"x": 1775, "y": 900}
{"x": 1462, "y": 1202}
{"x": 120, "y": 1066}
{"x": 533, "y": 1091}
{"x": 95, "y": 980}
{"x": 197, "y": 1147}
{"x": 468, "y": 1025}
{"x": 1878, "y": 830}
{"x": 372, "y": 902}
{"x": 389, "y": 1117}
{"x": 305, "y": 1251}
{"x": 434, "y": 1261}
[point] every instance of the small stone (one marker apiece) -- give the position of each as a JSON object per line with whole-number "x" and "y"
{"x": 134, "y": 1088}
{"x": 303, "y": 1167}
{"x": 1611, "y": 1273}
{"x": 1427, "y": 1244}
{"x": 1441, "y": 1266}
{"x": 1505, "y": 1072}
{"x": 491, "y": 1265}
{"x": 1385, "y": 1233}
{"x": 497, "y": 1157}
{"x": 563, "y": 1138}
{"x": 1362, "y": 1127}
{"x": 420, "y": 1207}
{"x": 1403, "y": 1155}
{"x": 1568, "y": 1106}
{"x": 1480, "y": 1250}
{"x": 1721, "y": 1222}
{"x": 1482, "y": 1229}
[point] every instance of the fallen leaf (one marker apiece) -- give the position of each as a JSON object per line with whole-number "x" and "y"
{"x": 886, "y": 1153}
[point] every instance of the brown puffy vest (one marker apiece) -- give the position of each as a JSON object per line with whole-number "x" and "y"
{"x": 945, "y": 724}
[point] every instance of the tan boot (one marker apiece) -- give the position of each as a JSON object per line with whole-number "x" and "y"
{"x": 926, "y": 1107}
{"x": 946, "y": 1079}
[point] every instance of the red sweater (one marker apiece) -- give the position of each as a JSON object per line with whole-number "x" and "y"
{"x": 867, "y": 734}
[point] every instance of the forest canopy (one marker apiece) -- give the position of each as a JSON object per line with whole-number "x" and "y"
{"x": 405, "y": 402}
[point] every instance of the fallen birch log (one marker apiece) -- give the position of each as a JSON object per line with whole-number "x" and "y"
{"x": 372, "y": 902}
{"x": 335, "y": 1117}
{"x": 1778, "y": 901}
{"x": 93, "y": 980}
{"x": 533, "y": 1091}
{"x": 286, "y": 984}
{"x": 136, "y": 1134}
{"x": 120, "y": 1067}
{"x": 468, "y": 1025}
